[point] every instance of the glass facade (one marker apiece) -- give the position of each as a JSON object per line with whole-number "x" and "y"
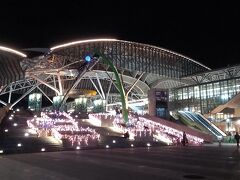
{"x": 57, "y": 100}
{"x": 81, "y": 104}
{"x": 35, "y": 102}
{"x": 204, "y": 97}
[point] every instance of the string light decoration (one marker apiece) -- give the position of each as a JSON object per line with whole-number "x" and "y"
{"x": 62, "y": 126}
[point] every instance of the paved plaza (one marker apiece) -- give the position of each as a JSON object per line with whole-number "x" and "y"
{"x": 165, "y": 162}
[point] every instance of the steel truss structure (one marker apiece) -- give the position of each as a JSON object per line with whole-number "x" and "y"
{"x": 140, "y": 66}
{"x": 216, "y": 75}
{"x": 208, "y": 91}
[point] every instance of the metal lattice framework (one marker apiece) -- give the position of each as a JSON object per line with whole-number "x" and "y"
{"x": 162, "y": 68}
{"x": 141, "y": 65}
{"x": 215, "y": 75}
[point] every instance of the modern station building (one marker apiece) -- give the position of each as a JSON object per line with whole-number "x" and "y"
{"x": 154, "y": 80}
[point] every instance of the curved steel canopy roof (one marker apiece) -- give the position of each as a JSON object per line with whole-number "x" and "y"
{"x": 153, "y": 48}
{"x": 155, "y": 67}
{"x": 10, "y": 69}
{"x": 130, "y": 58}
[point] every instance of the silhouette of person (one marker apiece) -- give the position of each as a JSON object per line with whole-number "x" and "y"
{"x": 126, "y": 135}
{"x": 184, "y": 139}
{"x": 229, "y": 136}
{"x": 237, "y": 137}
{"x": 117, "y": 111}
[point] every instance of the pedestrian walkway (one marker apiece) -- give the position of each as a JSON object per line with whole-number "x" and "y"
{"x": 165, "y": 162}
{"x": 222, "y": 144}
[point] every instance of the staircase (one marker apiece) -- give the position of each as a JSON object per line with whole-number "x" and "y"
{"x": 188, "y": 130}
{"x": 232, "y": 103}
{"x": 15, "y": 137}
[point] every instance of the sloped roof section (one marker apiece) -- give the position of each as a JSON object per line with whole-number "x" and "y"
{"x": 10, "y": 69}
{"x": 134, "y": 56}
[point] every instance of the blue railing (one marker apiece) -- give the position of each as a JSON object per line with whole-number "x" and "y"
{"x": 203, "y": 122}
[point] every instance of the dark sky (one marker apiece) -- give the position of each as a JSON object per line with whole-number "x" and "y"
{"x": 207, "y": 32}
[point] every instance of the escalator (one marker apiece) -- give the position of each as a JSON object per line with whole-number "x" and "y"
{"x": 214, "y": 128}
{"x": 203, "y": 122}
{"x": 187, "y": 120}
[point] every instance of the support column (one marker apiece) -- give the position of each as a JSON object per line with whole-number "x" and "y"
{"x": 60, "y": 84}
{"x": 152, "y": 102}
{"x": 120, "y": 87}
{"x": 158, "y": 103}
{"x": 10, "y": 94}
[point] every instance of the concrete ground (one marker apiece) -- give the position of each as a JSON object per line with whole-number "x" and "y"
{"x": 209, "y": 161}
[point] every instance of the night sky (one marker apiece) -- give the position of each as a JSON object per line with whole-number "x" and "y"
{"x": 207, "y": 32}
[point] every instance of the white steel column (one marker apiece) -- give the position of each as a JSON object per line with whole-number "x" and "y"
{"x": 30, "y": 90}
{"x": 134, "y": 84}
{"x": 2, "y": 102}
{"x": 107, "y": 95}
{"x": 100, "y": 85}
{"x": 54, "y": 83}
{"x": 83, "y": 69}
{"x": 95, "y": 87}
{"x": 10, "y": 94}
{"x": 60, "y": 84}
{"x": 46, "y": 84}
{"x": 112, "y": 80}
{"x": 109, "y": 88}
{"x": 44, "y": 94}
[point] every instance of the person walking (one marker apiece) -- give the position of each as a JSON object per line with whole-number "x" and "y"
{"x": 237, "y": 137}
{"x": 184, "y": 139}
{"x": 229, "y": 137}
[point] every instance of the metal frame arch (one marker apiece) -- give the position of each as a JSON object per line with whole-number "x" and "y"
{"x": 149, "y": 54}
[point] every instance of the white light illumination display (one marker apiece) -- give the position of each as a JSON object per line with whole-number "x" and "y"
{"x": 62, "y": 126}
{"x": 12, "y": 51}
{"x": 141, "y": 128}
{"x": 80, "y": 42}
{"x": 94, "y": 121}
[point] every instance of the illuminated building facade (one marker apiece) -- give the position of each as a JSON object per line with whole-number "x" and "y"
{"x": 213, "y": 93}
{"x": 146, "y": 72}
